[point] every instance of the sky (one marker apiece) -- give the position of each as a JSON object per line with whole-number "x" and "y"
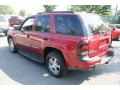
{"x": 35, "y": 6}
{"x": 36, "y": 9}
{"x": 31, "y": 6}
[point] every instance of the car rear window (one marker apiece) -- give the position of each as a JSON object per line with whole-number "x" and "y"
{"x": 94, "y": 24}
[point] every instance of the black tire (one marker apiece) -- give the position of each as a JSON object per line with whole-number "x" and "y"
{"x": 62, "y": 70}
{"x": 118, "y": 38}
{"x": 12, "y": 46}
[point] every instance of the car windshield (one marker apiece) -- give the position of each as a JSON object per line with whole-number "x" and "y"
{"x": 2, "y": 19}
{"x": 14, "y": 17}
{"x": 94, "y": 24}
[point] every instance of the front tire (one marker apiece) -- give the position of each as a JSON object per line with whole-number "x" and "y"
{"x": 55, "y": 64}
{"x": 12, "y": 47}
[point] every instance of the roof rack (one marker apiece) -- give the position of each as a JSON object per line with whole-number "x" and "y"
{"x": 57, "y": 12}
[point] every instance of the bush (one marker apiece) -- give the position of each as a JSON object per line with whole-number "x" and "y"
{"x": 110, "y": 19}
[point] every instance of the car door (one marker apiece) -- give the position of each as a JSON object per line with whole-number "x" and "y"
{"x": 22, "y": 37}
{"x": 40, "y": 38}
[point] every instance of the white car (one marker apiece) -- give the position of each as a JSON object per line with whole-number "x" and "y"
{"x": 4, "y": 24}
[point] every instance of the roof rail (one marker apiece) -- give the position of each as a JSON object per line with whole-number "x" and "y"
{"x": 57, "y": 12}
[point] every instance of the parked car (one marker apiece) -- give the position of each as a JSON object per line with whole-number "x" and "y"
{"x": 115, "y": 33}
{"x": 4, "y": 24}
{"x": 15, "y": 20}
{"x": 63, "y": 40}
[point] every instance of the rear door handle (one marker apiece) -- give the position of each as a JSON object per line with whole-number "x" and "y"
{"x": 45, "y": 38}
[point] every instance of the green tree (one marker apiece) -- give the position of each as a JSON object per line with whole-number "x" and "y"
{"x": 22, "y": 13}
{"x": 99, "y": 9}
{"x": 6, "y": 9}
{"x": 49, "y": 8}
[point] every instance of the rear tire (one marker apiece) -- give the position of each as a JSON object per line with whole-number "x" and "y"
{"x": 12, "y": 46}
{"x": 55, "y": 64}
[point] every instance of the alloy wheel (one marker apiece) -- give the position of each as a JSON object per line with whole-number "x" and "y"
{"x": 54, "y": 65}
{"x": 11, "y": 45}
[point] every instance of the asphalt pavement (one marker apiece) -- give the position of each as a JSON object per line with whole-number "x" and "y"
{"x": 17, "y": 69}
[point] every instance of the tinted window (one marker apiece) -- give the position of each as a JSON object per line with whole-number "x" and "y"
{"x": 43, "y": 24}
{"x": 68, "y": 24}
{"x": 94, "y": 24}
{"x": 28, "y": 24}
{"x": 14, "y": 17}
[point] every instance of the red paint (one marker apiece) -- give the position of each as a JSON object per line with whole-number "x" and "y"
{"x": 115, "y": 33}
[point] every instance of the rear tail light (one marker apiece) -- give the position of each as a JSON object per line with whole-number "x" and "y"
{"x": 83, "y": 43}
{"x": 83, "y": 48}
{"x": 83, "y": 52}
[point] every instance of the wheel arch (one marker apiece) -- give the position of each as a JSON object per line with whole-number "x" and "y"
{"x": 50, "y": 49}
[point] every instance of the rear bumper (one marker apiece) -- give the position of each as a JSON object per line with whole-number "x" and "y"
{"x": 106, "y": 59}
{"x": 101, "y": 60}
{"x": 91, "y": 63}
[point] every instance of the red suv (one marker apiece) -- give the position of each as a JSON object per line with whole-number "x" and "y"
{"x": 63, "y": 40}
{"x": 15, "y": 20}
{"x": 115, "y": 33}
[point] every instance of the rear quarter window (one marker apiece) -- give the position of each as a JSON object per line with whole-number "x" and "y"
{"x": 68, "y": 24}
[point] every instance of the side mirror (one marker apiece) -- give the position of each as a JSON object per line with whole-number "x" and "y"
{"x": 113, "y": 28}
{"x": 16, "y": 27}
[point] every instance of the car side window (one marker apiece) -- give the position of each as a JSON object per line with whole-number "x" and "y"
{"x": 60, "y": 24}
{"x": 27, "y": 25}
{"x": 43, "y": 23}
{"x": 68, "y": 24}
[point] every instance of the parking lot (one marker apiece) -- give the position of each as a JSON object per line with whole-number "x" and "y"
{"x": 17, "y": 69}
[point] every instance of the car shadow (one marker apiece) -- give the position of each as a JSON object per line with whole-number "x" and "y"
{"x": 28, "y": 72}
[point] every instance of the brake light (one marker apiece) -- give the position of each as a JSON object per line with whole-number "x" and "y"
{"x": 83, "y": 48}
